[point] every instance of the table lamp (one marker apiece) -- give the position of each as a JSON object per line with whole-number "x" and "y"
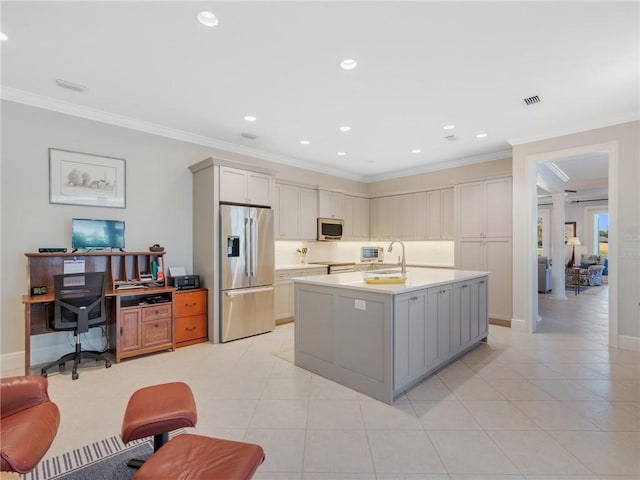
{"x": 573, "y": 241}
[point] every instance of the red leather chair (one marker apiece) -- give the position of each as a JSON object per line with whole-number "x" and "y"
{"x": 29, "y": 422}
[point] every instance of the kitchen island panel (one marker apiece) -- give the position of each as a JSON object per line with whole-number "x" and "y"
{"x": 315, "y": 336}
{"x": 329, "y": 321}
{"x": 361, "y": 331}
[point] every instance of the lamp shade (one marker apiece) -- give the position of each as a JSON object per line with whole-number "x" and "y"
{"x": 574, "y": 241}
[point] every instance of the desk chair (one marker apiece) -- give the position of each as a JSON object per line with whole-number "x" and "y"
{"x": 79, "y": 304}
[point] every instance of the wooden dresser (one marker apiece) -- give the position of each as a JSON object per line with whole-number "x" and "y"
{"x": 190, "y": 316}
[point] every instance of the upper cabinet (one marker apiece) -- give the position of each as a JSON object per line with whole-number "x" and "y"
{"x": 440, "y": 216}
{"x": 416, "y": 216}
{"x": 246, "y": 187}
{"x": 355, "y": 211}
{"x": 330, "y": 204}
{"x": 484, "y": 209}
{"x": 380, "y": 218}
{"x": 295, "y": 212}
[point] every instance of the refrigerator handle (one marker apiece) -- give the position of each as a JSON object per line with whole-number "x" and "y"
{"x": 254, "y": 245}
{"x": 247, "y": 247}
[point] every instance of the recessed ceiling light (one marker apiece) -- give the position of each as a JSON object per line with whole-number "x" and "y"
{"x": 416, "y": 150}
{"x": 305, "y": 142}
{"x": 208, "y": 19}
{"x": 3, "y": 37}
{"x": 348, "y": 64}
{"x": 481, "y": 135}
{"x": 449, "y": 127}
{"x": 345, "y": 128}
{"x": 250, "y": 118}
{"x": 342, "y": 154}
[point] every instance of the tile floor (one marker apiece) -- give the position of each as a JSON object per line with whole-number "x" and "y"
{"x": 555, "y": 405}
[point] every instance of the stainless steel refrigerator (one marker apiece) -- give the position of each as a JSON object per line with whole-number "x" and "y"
{"x": 246, "y": 271}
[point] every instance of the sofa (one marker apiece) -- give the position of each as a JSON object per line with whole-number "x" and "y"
{"x": 590, "y": 270}
{"x": 29, "y": 422}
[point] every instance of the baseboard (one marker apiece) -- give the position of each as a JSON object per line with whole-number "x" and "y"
{"x": 11, "y": 362}
{"x": 629, "y": 343}
{"x": 518, "y": 325}
{"x": 500, "y": 322}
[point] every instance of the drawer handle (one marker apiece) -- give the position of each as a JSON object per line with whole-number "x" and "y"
{"x": 481, "y": 282}
{"x": 189, "y": 305}
{"x": 190, "y": 329}
{"x": 465, "y": 286}
{"x": 157, "y": 325}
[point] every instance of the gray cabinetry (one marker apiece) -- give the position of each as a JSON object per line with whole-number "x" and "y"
{"x": 410, "y": 337}
{"x": 433, "y": 326}
{"x": 438, "y": 325}
{"x": 382, "y": 343}
{"x": 469, "y": 312}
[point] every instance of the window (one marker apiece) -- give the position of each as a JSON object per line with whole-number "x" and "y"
{"x": 601, "y": 233}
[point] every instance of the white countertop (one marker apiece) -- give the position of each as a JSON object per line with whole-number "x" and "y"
{"x": 417, "y": 279}
{"x": 300, "y": 266}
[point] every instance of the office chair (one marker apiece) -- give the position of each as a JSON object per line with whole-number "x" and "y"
{"x": 79, "y": 304}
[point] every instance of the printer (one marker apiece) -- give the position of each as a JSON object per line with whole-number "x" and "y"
{"x": 185, "y": 282}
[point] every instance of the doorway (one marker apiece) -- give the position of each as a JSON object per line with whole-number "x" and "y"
{"x": 525, "y": 232}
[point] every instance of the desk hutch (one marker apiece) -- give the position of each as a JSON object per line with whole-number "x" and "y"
{"x": 140, "y": 310}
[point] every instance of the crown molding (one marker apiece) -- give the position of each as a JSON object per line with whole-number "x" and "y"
{"x": 442, "y": 165}
{"x": 73, "y": 109}
{"x": 630, "y": 116}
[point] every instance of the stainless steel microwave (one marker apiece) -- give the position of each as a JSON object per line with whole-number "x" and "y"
{"x": 330, "y": 228}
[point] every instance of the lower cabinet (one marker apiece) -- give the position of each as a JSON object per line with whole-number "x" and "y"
{"x": 144, "y": 327}
{"x": 469, "y": 312}
{"x": 283, "y": 300}
{"x": 190, "y": 316}
{"x": 432, "y": 326}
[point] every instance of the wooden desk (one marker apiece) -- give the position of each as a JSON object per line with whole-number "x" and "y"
{"x": 136, "y": 326}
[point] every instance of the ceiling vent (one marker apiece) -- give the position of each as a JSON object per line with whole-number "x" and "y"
{"x": 250, "y": 136}
{"x": 451, "y": 138}
{"x": 532, "y": 100}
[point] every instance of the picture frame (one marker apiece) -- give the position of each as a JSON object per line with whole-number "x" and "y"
{"x": 77, "y": 178}
{"x": 569, "y": 230}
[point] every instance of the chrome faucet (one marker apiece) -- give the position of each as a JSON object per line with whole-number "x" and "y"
{"x": 404, "y": 260}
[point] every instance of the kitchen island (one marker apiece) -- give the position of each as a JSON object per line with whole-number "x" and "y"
{"x": 383, "y": 339}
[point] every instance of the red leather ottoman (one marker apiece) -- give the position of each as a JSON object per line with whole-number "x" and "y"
{"x": 157, "y": 410}
{"x": 195, "y": 457}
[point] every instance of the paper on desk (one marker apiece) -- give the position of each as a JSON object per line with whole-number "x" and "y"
{"x": 73, "y": 266}
{"x": 177, "y": 271}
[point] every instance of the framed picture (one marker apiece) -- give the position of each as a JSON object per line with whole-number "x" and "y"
{"x": 77, "y": 178}
{"x": 569, "y": 230}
